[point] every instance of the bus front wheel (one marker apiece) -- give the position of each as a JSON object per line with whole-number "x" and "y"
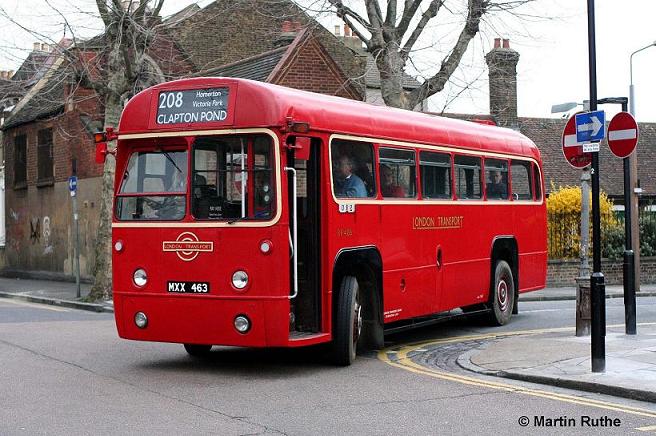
{"x": 197, "y": 350}
{"x": 502, "y": 294}
{"x": 348, "y": 321}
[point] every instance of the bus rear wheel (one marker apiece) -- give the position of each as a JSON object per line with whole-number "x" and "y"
{"x": 502, "y": 294}
{"x": 197, "y": 350}
{"x": 348, "y": 322}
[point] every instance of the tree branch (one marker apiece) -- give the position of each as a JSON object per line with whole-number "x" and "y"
{"x": 104, "y": 12}
{"x": 390, "y": 18}
{"x": 409, "y": 11}
{"x": 476, "y": 10}
{"x": 430, "y": 13}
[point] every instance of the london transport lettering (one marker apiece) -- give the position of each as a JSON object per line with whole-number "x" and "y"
{"x": 440, "y": 222}
{"x": 193, "y": 106}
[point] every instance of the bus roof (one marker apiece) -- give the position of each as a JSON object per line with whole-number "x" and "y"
{"x": 252, "y": 104}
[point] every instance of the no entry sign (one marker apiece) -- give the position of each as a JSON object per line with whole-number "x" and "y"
{"x": 622, "y": 134}
{"x": 572, "y": 150}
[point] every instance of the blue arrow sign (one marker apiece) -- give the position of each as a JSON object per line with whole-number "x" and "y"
{"x": 590, "y": 126}
{"x": 72, "y": 183}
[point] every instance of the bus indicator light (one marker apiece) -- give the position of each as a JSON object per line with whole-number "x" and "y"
{"x": 265, "y": 247}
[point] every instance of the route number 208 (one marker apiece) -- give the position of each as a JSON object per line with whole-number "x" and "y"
{"x": 168, "y": 100}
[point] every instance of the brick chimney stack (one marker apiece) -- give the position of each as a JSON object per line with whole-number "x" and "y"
{"x": 502, "y": 63}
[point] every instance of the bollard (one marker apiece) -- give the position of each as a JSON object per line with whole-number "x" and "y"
{"x": 629, "y": 293}
{"x": 583, "y": 318}
{"x": 597, "y": 339}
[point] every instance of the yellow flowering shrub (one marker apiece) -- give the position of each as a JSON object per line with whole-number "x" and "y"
{"x": 564, "y": 221}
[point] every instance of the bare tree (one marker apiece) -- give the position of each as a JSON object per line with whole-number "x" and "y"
{"x": 129, "y": 31}
{"x": 392, "y": 36}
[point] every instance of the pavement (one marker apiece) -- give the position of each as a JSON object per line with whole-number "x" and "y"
{"x": 554, "y": 357}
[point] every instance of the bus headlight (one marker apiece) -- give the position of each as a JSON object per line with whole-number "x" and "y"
{"x": 141, "y": 320}
{"x": 140, "y": 278}
{"x": 242, "y": 324}
{"x": 240, "y": 279}
{"x": 118, "y": 246}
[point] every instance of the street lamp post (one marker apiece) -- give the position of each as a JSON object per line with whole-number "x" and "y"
{"x": 633, "y": 163}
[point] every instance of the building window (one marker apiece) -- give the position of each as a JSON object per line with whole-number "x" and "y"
{"x": 44, "y": 157}
{"x": 20, "y": 161}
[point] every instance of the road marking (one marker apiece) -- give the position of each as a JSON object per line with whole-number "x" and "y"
{"x": 402, "y": 361}
{"x": 648, "y": 428}
{"x": 34, "y": 305}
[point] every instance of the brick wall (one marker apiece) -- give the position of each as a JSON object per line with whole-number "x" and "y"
{"x": 564, "y": 272}
{"x": 312, "y": 70}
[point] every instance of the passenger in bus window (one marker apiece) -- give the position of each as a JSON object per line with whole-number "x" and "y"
{"x": 496, "y": 187}
{"x": 388, "y": 185}
{"x": 347, "y": 184}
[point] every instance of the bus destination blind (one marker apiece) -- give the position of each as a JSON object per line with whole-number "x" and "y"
{"x": 192, "y": 106}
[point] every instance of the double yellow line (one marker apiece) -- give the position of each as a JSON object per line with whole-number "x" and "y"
{"x": 399, "y": 357}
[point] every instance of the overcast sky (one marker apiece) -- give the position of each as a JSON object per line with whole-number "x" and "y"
{"x": 553, "y": 64}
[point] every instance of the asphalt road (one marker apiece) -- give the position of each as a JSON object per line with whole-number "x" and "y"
{"x": 66, "y": 372}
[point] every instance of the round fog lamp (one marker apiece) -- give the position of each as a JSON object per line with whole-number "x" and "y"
{"x": 242, "y": 324}
{"x": 118, "y": 246}
{"x": 239, "y": 279}
{"x": 141, "y": 320}
{"x": 140, "y": 278}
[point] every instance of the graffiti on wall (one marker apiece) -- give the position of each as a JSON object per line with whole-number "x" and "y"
{"x": 39, "y": 231}
{"x": 48, "y": 249}
{"x": 35, "y": 230}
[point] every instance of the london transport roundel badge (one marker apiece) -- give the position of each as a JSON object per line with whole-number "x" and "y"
{"x": 187, "y": 246}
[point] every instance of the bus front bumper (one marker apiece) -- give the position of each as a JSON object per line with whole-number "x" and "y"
{"x": 201, "y": 319}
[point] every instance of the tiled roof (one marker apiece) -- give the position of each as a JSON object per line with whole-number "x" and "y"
{"x": 225, "y": 32}
{"x": 255, "y": 68}
{"x": 32, "y": 69}
{"x": 372, "y": 76}
{"x": 43, "y": 102}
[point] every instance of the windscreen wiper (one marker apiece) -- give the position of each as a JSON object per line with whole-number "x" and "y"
{"x": 172, "y": 161}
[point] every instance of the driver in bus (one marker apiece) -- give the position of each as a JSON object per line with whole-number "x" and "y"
{"x": 348, "y": 184}
{"x": 496, "y": 188}
{"x": 172, "y": 206}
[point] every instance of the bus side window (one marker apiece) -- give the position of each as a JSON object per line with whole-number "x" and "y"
{"x": 520, "y": 172}
{"x": 435, "y": 174}
{"x": 468, "y": 177}
{"x": 537, "y": 182}
{"x": 353, "y": 169}
{"x": 496, "y": 180}
{"x": 397, "y": 173}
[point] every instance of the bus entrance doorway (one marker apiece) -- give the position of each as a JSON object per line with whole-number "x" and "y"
{"x": 306, "y": 307}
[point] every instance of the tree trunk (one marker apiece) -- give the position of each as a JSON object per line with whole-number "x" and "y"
{"x": 102, "y": 287}
{"x": 390, "y": 66}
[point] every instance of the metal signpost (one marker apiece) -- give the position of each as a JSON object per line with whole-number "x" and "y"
{"x": 72, "y": 187}
{"x": 622, "y": 140}
{"x": 597, "y": 287}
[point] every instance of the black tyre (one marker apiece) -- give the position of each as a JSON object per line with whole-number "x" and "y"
{"x": 502, "y": 294}
{"x": 348, "y": 322}
{"x": 197, "y": 350}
